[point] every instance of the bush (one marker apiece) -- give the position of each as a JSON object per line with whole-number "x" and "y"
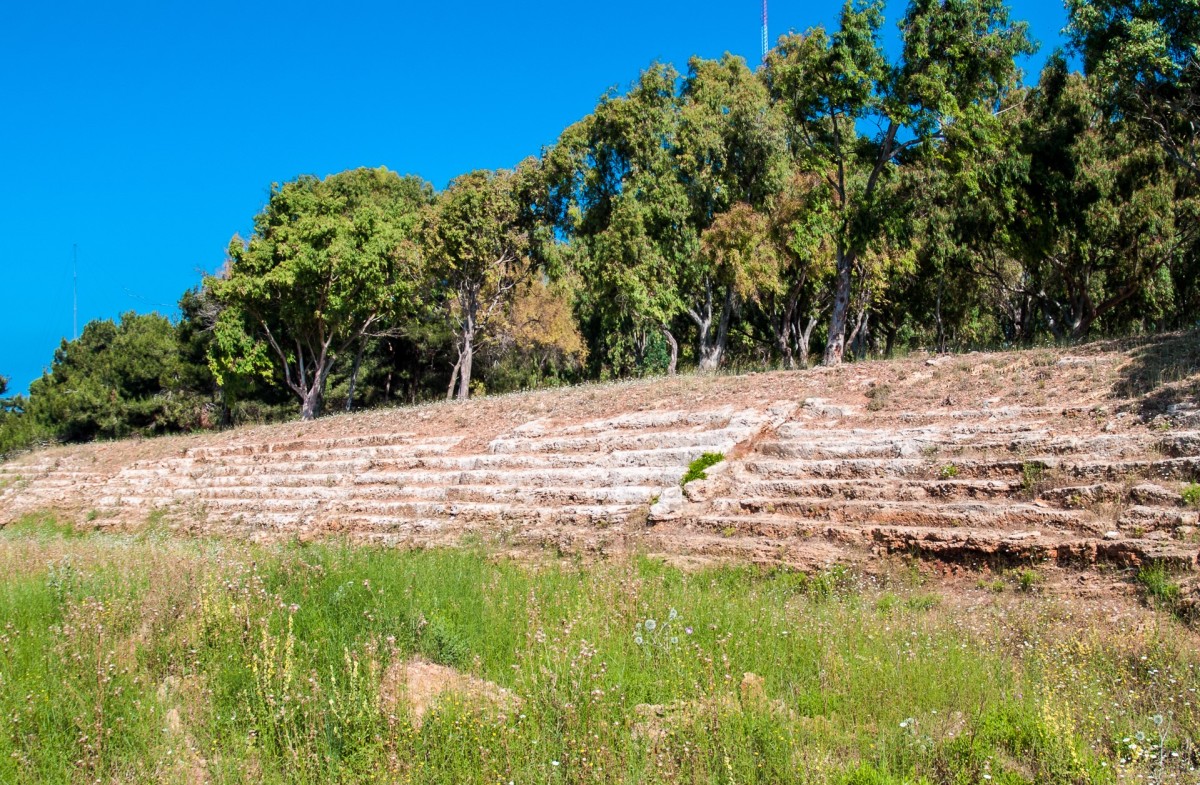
{"x": 696, "y": 468}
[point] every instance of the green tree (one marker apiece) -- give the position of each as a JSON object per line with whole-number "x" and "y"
{"x": 1097, "y": 224}
{"x": 478, "y": 244}
{"x": 956, "y": 63}
{"x": 117, "y": 379}
{"x": 615, "y": 192}
{"x": 731, "y": 155}
{"x": 330, "y": 263}
{"x": 1145, "y": 56}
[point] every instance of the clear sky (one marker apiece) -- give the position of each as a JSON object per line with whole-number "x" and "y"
{"x": 148, "y": 133}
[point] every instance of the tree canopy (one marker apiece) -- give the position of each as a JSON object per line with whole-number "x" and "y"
{"x": 841, "y": 198}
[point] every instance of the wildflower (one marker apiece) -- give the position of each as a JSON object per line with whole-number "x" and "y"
{"x": 553, "y": 763}
{"x": 673, "y": 615}
{"x": 651, "y": 624}
{"x": 1157, "y": 719}
{"x": 638, "y": 640}
{"x": 688, "y": 630}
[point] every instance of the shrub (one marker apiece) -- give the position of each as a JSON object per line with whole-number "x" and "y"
{"x": 696, "y": 468}
{"x": 1191, "y": 495}
{"x": 1158, "y": 584}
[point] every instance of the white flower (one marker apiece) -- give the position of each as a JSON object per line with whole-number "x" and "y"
{"x": 553, "y": 763}
{"x": 650, "y": 625}
{"x": 638, "y": 640}
{"x": 1157, "y": 719}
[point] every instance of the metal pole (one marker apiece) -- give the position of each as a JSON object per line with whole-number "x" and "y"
{"x": 74, "y": 291}
{"x": 764, "y": 31}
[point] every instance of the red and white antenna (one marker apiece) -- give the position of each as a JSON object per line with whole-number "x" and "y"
{"x": 764, "y": 31}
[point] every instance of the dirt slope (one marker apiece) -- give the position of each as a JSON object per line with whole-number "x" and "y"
{"x": 1074, "y": 457}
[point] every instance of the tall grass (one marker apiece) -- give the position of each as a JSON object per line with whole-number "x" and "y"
{"x": 149, "y": 659}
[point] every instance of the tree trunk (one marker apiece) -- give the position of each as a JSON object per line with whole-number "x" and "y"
{"x": 712, "y": 351}
{"x": 464, "y": 371}
{"x": 836, "y": 345}
{"x": 674, "y": 346}
{"x": 783, "y": 334}
{"x": 354, "y": 376}
{"x": 804, "y": 339}
{"x": 310, "y": 403}
{"x": 454, "y": 377}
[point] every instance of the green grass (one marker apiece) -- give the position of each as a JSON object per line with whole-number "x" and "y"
{"x": 1191, "y": 495}
{"x": 1158, "y": 584}
{"x": 149, "y": 659}
{"x": 696, "y": 469}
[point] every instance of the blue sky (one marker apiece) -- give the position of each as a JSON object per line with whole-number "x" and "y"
{"x": 148, "y": 133}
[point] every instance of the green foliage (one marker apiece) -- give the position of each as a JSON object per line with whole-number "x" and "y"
{"x": 948, "y": 472}
{"x": 1033, "y": 474}
{"x": 873, "y": 200}
{"x": 115, "y": 380}
{"x": 330, "y": 263}
{"x": 295, "y": 660}
{"x": 1159, "y": 584}
{"x": 695, "y": 470}
{"x": 478, "y": 243}
{"x": 1191, "y": 495}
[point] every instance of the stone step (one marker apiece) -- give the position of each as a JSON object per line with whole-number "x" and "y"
{"x": 1101, "y": 470}
{"x": 944, "y": 446}
{"x": 719, "y": 514}
{"x": 717, "y": 440}
{"x": 884, "y": 489}
{"x": 404, "y": 509}
{"x": 454, "y": 493}
{"x": 355, "y": 443}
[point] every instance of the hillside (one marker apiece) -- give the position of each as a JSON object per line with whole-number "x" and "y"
{"x": 1075, "y": 457}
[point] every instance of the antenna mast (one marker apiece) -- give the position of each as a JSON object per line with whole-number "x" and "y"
{"x": 74, "y": 291}
{"x": 764, "y": 32}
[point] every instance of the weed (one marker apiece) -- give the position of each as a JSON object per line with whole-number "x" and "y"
{"x": 1191, "y": 495}
{"x": 123, "y": 660}
{"x": 878, "y": 396}
{"x": 995, "y": 585}
{"x": 1027, "y": 579}
{"x": 1032, "y": 474}
{"x": 948, "y": 472}
{"x": 92, "y": 515}
{"x": 696, "y": 468}
{"x": 1158, "y": 584}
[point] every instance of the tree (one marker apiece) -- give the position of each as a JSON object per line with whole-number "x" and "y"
{"x": 330, "y": 263}
{"x": 616, "y": 194}
{"x": 117, "y": 379}
{"x": 731, "y": 155}
{"x": 478, "y": 248}
{"x": 1097, "y": 224}
{"x": 956, "y": 64}
{"x": 1146, "y": 56}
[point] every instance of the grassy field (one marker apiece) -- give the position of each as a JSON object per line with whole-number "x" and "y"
{"x": 148, "y": 658}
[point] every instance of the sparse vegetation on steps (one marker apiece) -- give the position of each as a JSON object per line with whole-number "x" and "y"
{"x": 142, "y": 658}
{"x": 696, "y": 469}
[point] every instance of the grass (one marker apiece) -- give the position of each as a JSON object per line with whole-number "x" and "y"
{"x": 129, "y": 658}
{"x": 1191, "y": 495}
{"x": 1159, "y": 585}
{"x": 696, "y": 469}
